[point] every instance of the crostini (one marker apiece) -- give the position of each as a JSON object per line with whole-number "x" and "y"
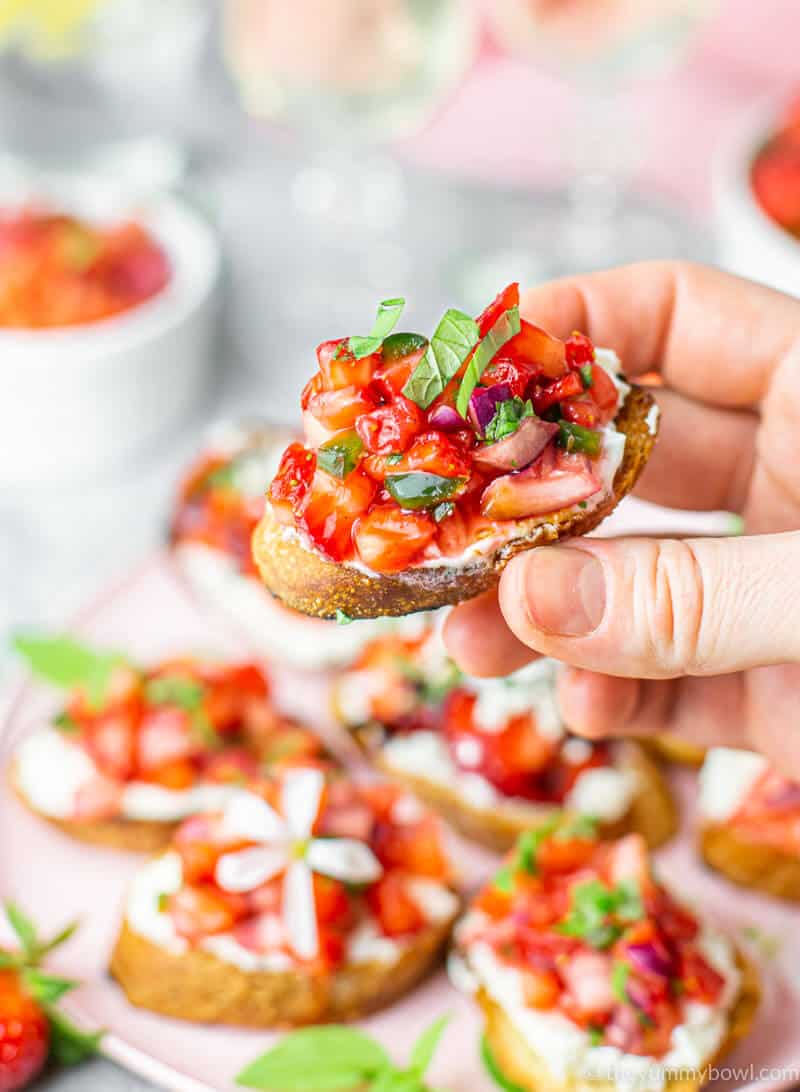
{"x": 592, "y": 976}
{"x": 492, "y": 755}
{"x": 428, "y": 464}
{"x": 299, "y": 903}
{"x": 750, "y": 822}
{"x": 219, "y": 503}
{"x": 133, "y": 751}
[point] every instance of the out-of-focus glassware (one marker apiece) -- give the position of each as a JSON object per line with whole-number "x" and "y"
{"x": 601, "y": 48}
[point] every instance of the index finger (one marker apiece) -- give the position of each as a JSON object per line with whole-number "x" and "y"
{"x": 712, "y": 336}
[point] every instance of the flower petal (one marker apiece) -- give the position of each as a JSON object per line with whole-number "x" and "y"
{"x": 249, "y": 818}
{"x": 300, "y": 910}
{"x": 247, "y": 869}
{"x": 343, "y": 859}
{"x": 300, "y": 797}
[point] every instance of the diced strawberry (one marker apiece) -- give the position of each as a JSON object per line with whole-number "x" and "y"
{"x": 165, "y": 735}
{"x": 393, "y": 375}
{"x": 629, "y": 861}
{"x": 340, "y": 409}
{"x": 111, "y": 741}
{"x": 177, "y": 775}
{"x": 99, "y": 798}
{"x": 389, "y": 539}
{"x": 494, "y": 901}
{"x": 540, "y": 989}
{"x": 267, "y": 899}
{"x": 517, "y": 373}
{"x": 588, "y": 978}
{"x": 700, "y": 980}
{"x": 390, "y": 428}
{"x": 332, "y": 507}
{"x": 505, "y": 300}
{"x": 536, "y": 346}
{"x": 199, "y": 911}
{"x": 564, "y": 855}
{"x": 776, "y": 182}
{"x": 261, "y": 933}
{"x": 339, "y": 368}
{"x": 566, "y": 387}
{"x": 291, "y": 483}
{"x": 432, "y": 452}
{"x": 198, "y": 852}
{"x": 352, "y": 820}
{"x": 412, "y": 847}
{"x": 332, "y": 901}
{"x": 232, "y": 765}
{"x": 391, "y": 904}
{"x": 554, "y": 481}
{"x": 603, "y": 393}
{"x": 579, "y": 350}
{"x": 332, "y": 951}
{"x": 584, "y": 413}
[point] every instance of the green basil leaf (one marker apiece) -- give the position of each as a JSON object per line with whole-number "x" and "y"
{"x": 68, "y": 1044}
{"x": 175, "y": 690}
{"x": 342, "y": 619}
{"x": 24, "y": 928}
{"x": 586, "y": 376}
{"x": 339, "y": 455}
{"x": 425, "y": 1046}
{"x": 419, "y": 489}
{"x": 319, "y": 1058}
{"x": 508, "y": 416}
{"x": 46, "y": 988}
{"x": 389, "y": 312}
{"x": 60, "y": 938}
{"x": 443, "y": 510}
{"x": 397, "y": 346}
{"x": 494, "y": 1070}
{"x": 65, "y": 662}
{"x": 450, "y": 346}
{"x": 502, "y": 331}
{"x": 577, "y": 438}
{"x": 620, "y": 972}
{"x": 504, "y": 880}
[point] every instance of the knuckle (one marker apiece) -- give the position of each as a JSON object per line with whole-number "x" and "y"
{"x": 668, "y": 605}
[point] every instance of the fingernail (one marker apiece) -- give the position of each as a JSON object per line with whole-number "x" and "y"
{"x": 564, "y": 591}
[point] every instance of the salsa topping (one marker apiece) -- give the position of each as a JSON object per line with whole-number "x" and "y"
{"x": 493, "y": 418}
{"x": 594, "y": 937}
{"x": 57, "y": 270}
{"x": 775, "y": 174}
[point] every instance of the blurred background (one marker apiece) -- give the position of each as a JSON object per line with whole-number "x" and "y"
{"x": 194, "y": 193}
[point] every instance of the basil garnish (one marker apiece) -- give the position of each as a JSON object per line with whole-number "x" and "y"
{"x": 506, "y": 327}
{"x": 597, "y": 913}
{"x": 450, "y": 346}
{"x": 507, "y": 418}
{"x": 389, "y": 312}
{"x": 64, "y": 662}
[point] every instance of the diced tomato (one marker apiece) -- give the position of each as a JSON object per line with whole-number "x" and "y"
{"x": 199, "y": 911}
{"x": 540, "y": 989}
{"x": 517, "y": 373}
{"x": 412, "y": 847}
{"x": 390, "y": 428}
{"x": 566, "y": 387}
{"x": 165, "y": 735}
{"x": 340, "y": 409}
{"x": 603, "y": 393}
{"x": 332, "y": 901}
{"x": 392, "y": 905}
{"x": 178, "y": 774}
{"x": 389, "y": 539}
{"x": 339, "y": 368}
{"x": 536, "y": 346}
{"x": 291, "y": 483}
{"x": 111, "y": 741}
{"x": 699, "y": 978}
{"x": 579, "y": 350}
{"x": 505, "y": 300}
{"x": 331, "y": 508}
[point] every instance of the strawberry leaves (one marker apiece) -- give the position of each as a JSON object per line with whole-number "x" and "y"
{"x": 331, "y": 1057}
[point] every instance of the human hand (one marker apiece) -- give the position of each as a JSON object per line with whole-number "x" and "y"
{"x": 699, "y": 638}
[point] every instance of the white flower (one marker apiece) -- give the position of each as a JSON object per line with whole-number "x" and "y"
{"x": 285, "y": 844}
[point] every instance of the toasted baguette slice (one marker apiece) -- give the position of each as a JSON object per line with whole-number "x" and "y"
{"x": 308, "y": 582}
{"x": 652, "y": 812}
{"x": 678, "y": 750}
{"x": 517, "y": 1064}
{"x": 751, "y": 864}
{"x": 134, "y": 835}
{"x": 198, "y": 986}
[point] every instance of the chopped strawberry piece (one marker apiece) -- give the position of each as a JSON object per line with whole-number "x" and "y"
{"x": 603, "y": 393}
{"x": 332, "y": 507}
{"x": 198, "y": 851}
{"x": 111, "y": 740}
{"x": 99, "y": 798}
{"x": 389, "y": 539}
{"x": 567, "y": 387}
{"x": 291, "y": 483}
{"x": 699, "y": 978}
{"x": 232, "y": 765}
{"x": 340, "y": 409}
{"x": 332, "y": 901}
{"x": 584, "y": 413}
{"x": 505, "y": 300}
{"x": 339, "y": 368}
{"x": 540, "y": 989}
{"x": 629, "y": 861}
{"x": 391, "y": 904}
{"x": 587, "y": 976}
{"x": 260, "y": 934}
{"x": 165, "y": 735}
{"x": 554, "y": 481}
{"x": 776, "y": 182}
{"x": 517, "y": 373}
{"x": 393, "y": 375}
{"x": 177, "y": 775}
{"x": 199, "y": 911}
{"x": 494, "y": 901}
{"x": 579, "y": 350}
{"x": 390, "y": 428}
{"x": 412, "y": 847}
{"x": 536, "y": 346}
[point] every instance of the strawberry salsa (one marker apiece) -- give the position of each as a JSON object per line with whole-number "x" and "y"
{"x": 505, "y": 731}
{"x": 417, "y": 449}
{"x": 775, "y": 174}
{"x": 588, "y": 933}
{"x": 368, "y": 855}
{"x": 176, "y": 726}
{"x": 56, "y": 270}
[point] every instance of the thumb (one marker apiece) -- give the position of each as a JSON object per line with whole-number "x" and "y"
{"x": 657, "y": 608}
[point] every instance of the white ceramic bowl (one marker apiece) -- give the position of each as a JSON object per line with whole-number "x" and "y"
{"x": 77, "y": 400}
{"x": 750, "y": 243}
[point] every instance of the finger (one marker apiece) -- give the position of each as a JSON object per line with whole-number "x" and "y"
{"x": 648, "y": 608}
{"x": 703, "y": 458}
{"x": 713, "y": 336}
{"x": 707, "y": 712}
{"x": 478, "y": 639}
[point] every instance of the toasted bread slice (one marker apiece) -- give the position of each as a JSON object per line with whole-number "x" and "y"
{"x": 517, "y": 1064}
{"x": 134, "y": 835}
{"x": 652, "y": 812}
{"x": 200, "y": 987}
{"x": 749, "y": 863}
{"x": 308, "y": 582}
{"x": 676, "y": 749}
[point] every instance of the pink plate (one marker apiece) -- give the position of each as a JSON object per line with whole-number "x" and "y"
{"x": 150, "y": 614}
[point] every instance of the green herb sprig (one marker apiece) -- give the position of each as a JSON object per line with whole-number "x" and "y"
{"x": 334, "y": 1056}
{"x": 389, "y": 311}
{"x": 598, "y": 913}
{"x": 506, "y": 327}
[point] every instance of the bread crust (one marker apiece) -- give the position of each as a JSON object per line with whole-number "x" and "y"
{"x": 307, "y": 582}
{"x": 652, "y": 812}
{"x": 524, "y": 1068}
{"x": 199, "y": 987}
{"x": 676, "y": 749}
{"x": 752, "y": 864}
{"x": 133, "y": 835}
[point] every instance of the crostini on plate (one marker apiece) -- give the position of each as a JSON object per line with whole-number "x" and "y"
{"x": 492, "y": 755}
{"x": 428, "y": 464}
{"x": 220, "y": 501}
{"x": 300, "y": 902}
{"x": 133, "y": 751}
{"x": 750, "y": 822}
{"x": 592, "y": 976}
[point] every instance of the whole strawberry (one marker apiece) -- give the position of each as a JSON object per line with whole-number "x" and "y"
{"x": 32, "y": 1030}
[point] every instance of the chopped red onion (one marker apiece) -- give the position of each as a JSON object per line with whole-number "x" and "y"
{"x": 647, "y": 957}
{"x": 483, "y": 403}
{"x": 518, "y": 450}
{"x": 446, "y": 418}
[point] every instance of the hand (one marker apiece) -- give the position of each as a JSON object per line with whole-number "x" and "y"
{"x": 701, "y": 637}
